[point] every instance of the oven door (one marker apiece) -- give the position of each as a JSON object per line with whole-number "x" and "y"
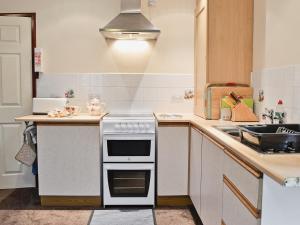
{"x": 128, "y": 184}
{"x": 129, "y": 148}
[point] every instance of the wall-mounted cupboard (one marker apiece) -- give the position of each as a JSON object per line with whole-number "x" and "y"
{"x": 223, "y": 44}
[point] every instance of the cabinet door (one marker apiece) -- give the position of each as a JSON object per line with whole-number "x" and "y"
{"x": 69, "y": 160}
{"x": 234, "y": 212}
{"x": 172, "y": 164}
{"x": 195, "y": 168}
{"x": 211, "y": 183}
{"x": 200, "y": 56}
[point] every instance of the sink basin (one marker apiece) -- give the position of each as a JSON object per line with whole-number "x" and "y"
{"x": 233, "y": 131}
{"x": 171, "y": 116}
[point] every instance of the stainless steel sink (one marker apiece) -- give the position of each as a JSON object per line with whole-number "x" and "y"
{"x": 170, "y": 116}
{"x": 232, "y": 131}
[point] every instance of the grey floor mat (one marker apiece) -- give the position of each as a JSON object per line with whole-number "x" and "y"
{"x": 123, "y": 217}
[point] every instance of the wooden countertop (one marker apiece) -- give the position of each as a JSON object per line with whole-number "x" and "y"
{"x": 284, "y": 169}
{"x": 82, "y": 118}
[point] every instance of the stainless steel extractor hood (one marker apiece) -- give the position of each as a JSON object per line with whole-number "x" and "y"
{"x": 130, "y": 24}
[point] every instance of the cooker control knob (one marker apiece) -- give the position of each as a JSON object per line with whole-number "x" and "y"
{"x": 129, "y": 126}
{"x": 123, "y": 126}
{"x": 142, "y": 126}
{"x": 136, "y": 126}
{"x": 147, "y": 126}
{"x": 118, "y": 126}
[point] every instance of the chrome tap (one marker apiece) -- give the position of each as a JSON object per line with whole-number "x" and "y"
{"x": 189, "y": 94}
{"x": 272, "y": 115}
{"x": 269, "y": 114}
{"x": 280, "y": 117}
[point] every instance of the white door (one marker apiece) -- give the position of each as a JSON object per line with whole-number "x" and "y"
{"x": 15, "y": 98}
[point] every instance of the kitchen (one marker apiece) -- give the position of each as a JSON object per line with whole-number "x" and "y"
{"x": 161, "y": 96}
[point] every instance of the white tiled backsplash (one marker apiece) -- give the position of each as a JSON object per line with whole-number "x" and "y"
{"x": 279, "y": 83}
{"x": 123, "y": 92}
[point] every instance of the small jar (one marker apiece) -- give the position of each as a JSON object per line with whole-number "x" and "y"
{"x": 94, "y": 105}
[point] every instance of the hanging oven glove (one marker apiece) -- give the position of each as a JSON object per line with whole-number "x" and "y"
{"x": 26, "y": 154}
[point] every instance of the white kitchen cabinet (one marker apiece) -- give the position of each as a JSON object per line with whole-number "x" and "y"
{"x": 211, "y": 182}
{"x": 234, "y": 212}
{"x": 173, "y": 157}
{"x": 69, "y": 160}
{"x": 244, "y": 177}
{"x": 241, "y": 191}
{"x": 195, "y": 167}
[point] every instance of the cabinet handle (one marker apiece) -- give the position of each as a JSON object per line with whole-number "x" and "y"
{"x": 246, "y": 166}
{"x": 254, "y": 211}
{"x": 198, "y": 130}
{"x": 199, "y": 11}
{"x": 213, "y": 141}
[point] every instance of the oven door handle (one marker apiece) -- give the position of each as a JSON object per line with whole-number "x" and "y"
{"x": 123, "y": 166}
{"x": 123, "y": 137}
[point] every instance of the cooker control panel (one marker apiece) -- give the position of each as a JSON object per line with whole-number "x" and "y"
{"x": 129, "y": 127}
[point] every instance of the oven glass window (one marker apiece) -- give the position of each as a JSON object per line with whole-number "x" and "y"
{"x": 129, "y": 183}
{"x": 128, "y": 147}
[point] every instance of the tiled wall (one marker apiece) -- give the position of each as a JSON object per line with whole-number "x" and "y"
{"x": 123, "y": 92}
{"x": 279, "y": 83}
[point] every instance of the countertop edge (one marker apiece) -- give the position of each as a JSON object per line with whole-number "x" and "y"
{"x": 44, "y": 119}
{"x": 211, "y": 132}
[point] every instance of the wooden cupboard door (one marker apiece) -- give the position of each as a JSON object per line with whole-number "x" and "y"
{"x": 211, "y": 183}
{"x": 230, "y": 47}
{"x": 195, "y": 168}
{"x": 200, "y": 56}
{"x": 234, "y": 212}
{"x": 172, "y": 163}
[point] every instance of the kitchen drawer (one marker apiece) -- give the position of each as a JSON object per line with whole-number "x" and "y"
{"x": 244, "y": 177}
{"x": 234, "y": 212}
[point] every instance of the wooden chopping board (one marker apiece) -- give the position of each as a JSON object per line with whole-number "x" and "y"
{"x": 213, "y": 96}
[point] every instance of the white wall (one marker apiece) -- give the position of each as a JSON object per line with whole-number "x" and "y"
{"x": 68, "y": 31}
{"x": 276, "y": 62}
{"x": 123, "y": 92}
{"x": 276, "y": 33}
{"x": 78, "y": 57}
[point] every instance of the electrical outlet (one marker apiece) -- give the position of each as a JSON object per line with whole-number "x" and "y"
{"x": 152, "y": 2}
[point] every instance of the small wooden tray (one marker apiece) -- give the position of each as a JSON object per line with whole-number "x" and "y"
{"x": 242, "y": 113}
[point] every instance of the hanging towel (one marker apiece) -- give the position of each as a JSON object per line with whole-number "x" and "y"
{"x": 27, "y": 153}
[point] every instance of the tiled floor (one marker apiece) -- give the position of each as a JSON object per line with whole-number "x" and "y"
{"x": 22, "y": 207}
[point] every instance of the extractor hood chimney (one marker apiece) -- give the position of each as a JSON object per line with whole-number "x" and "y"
{"x": 130, "y": 24}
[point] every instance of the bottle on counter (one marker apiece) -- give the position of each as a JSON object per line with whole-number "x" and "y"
{"x": 280, "y": 114}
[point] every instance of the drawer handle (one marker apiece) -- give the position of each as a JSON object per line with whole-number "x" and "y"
{"x": 254, "y": 211}
{"x": 197, "y": 130}
{"x": 199, "y": 11}
{"x": 249, "y": 168}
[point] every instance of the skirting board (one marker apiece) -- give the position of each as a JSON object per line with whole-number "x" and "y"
{"x": 73, "y": 201}
{"x": 77, "y": 201}
{"x": 174, "y": 201}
